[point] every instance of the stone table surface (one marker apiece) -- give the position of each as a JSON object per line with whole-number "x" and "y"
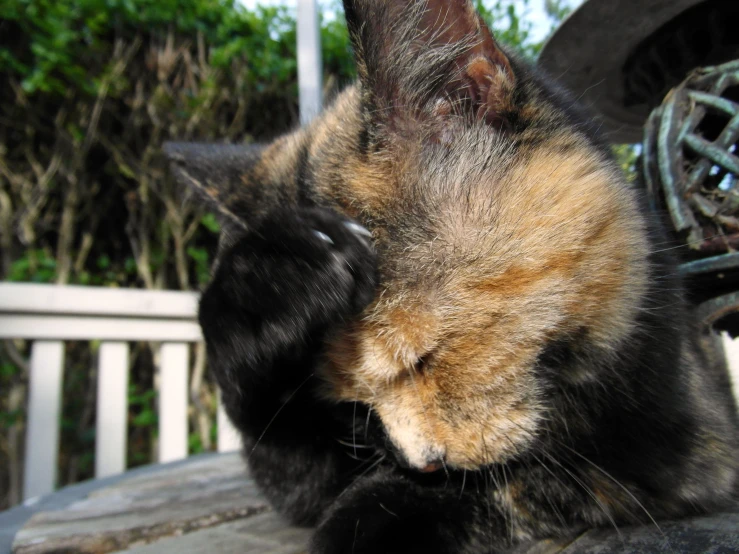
{"x": 208, "y": 504}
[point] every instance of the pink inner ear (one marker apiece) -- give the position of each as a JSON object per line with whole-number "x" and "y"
{"x": 489, "y": 85}
{"x": 485, "y": 73}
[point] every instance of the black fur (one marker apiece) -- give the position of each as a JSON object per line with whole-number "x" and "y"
{"x": 276, "y": 295}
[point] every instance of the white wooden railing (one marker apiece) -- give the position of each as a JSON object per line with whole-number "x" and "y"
{"x": 48, "y": 315}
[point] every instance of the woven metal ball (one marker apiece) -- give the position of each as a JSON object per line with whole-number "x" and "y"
{"x": 691, "y": 172}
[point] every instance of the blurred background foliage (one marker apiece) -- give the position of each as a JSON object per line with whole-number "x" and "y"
{"x": 89, "y": 90}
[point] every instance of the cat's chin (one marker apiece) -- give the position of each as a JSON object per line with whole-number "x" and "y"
{"x": 442, "y": 467}
{"x": 458, "y": 463}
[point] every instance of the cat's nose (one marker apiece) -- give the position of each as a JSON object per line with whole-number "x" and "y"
{"x": 434, "y": 465}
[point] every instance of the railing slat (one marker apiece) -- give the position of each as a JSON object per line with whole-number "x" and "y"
{"x": 173, "y": 374}
{"x": 112, "y": 409}
{"x": 79, "y": 300}
{"x": 228, "y": 437}
{"x": 58, "y": 327}
{"x": 44, "y": 411}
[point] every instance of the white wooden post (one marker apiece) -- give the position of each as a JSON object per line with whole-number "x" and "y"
{"x": 731, "y": 349}
{"x": 309, "y": 60}
{"x": 44, "y": 411}
{"x": 112, "y": 409}
{"x": 228, "y": 437}
{"x": 173, "y": 373}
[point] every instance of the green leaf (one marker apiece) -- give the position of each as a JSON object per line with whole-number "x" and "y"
{"x": 8, "y": 370}
{"x": 11, "y": 417}
{"x": 197, "y": 254}
{"x": 195, "y": 445}
{"x": 103, "y": 261}
{"x": 147, "y": 418}
{"x": 129, "y": 265}
{"x": 209, "y": 222}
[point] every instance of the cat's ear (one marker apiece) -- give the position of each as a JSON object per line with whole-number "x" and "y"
{"x": 219, "y": 176}
{"x": 428, "y": 58}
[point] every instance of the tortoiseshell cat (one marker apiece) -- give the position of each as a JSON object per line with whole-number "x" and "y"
{"x": 439, "y": 318}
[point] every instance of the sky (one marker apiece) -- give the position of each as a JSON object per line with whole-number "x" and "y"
{"x": 535, "y": 14}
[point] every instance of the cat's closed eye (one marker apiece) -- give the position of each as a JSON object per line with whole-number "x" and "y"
{"x": 423, "y": 363}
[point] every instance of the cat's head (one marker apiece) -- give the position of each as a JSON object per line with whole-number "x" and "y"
{"x": 510, "y": 249}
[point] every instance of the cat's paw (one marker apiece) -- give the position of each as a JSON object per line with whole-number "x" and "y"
{"x": 300, "y": 269}
{"x": 392, "y": 517}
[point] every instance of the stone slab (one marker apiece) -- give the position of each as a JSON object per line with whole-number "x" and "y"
{"x": 142, "y": 509}
{"x": 12, "y": 520}
{"x": 262, "y": 534}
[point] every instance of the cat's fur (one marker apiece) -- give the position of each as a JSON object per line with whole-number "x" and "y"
{"x": 512, "y": 322}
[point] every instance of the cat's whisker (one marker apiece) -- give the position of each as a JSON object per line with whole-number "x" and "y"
{"x": 618, "y": 483}
{"x": 627, "y": 509}
{"x": 557, "y": 511}
{"x": 579, "y": 481}
{"x": 510, "y": 503}
{"x": 554, "y": 475}
{"x": 373, "y": 466}
{"x": 678, "y": 246}
{"x": 357, "y": 458}
{"x": 577, "y": 100}
{"x": 356, "y": 530}
{"x": 282, "y": 407}
{"x": 528, "y": 465}
{"x": 488, "y": 504}
{"x": 446, "y": 470}
{"x": 589, "y": 492}
{"x": 354, "y": 427}
{"x": 488, "y": 472}
{"x": 506, "y": 514}
{"x": 377, "y": 456}
{"x": 367, "y": 422}
{"x": 353, "y": 445}
{"x": 380, "y": 458}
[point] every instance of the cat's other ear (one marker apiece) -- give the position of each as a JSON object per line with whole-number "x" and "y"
{"x": 219, "y": 176}
{"x": 428, "y": 58}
